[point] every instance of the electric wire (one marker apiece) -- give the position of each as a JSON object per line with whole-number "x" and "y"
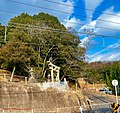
{"x": 70, "y": 22}
{"x": 65, "y": 31}
{"x": 80, "y": 7}
{"x": 58, "y": 30}
{"x": 34, "y": 26}
{"x": 41, "y": 7}
{"x": 2, "y": 10}
{"x": 92, "y": 26}
{"x": 37, "y": 44}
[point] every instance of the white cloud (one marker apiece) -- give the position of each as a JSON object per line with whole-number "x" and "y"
{"x": 111, "y": 56}
{"x": 60, "y": 8}
{"x": 89, "y": 27}
{"x": 110, "y": 53}
{"x": 111, "y": 22}
{"x": 91, "y": 5}
{"x": 57, "y": 9}
{"x": 72, "y": 22}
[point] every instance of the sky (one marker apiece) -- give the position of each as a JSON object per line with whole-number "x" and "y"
{"x": 97, "y": 22}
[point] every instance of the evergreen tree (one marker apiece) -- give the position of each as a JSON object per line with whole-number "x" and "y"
{"x": 33, "y": 40}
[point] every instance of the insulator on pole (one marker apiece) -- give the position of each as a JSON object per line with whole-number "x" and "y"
{"x": 103, "y": 41}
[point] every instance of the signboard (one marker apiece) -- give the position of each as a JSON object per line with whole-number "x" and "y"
{"x": 114, "y": 82}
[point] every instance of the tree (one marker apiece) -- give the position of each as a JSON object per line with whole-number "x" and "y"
{"x": 2, "y": 34}
{"x": 19, "y": 55}
{"x": 46, "y": 39}
{"x": 110, "y": 72}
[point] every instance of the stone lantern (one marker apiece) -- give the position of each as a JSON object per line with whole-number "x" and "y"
{"x": 32, "y": 76}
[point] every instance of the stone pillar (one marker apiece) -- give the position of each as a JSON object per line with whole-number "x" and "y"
{"x": 65, "y": 81}
{"x": 25, "y": 80}
{"x": 58, "y": 77}
{"x": 52, "y": 77}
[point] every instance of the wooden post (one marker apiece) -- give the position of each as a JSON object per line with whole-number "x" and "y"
{"x": 12, "y": 74}
{"x": 4, "y": 77}
{"x": 25, "y": 80}
{"x": 3, "y": 111}
{"x": 32, "y": 111}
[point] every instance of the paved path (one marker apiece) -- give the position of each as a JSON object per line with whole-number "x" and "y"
{"x": 101, "y": 103}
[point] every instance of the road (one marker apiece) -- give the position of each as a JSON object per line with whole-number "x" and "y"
{"x": 101, "y": 103}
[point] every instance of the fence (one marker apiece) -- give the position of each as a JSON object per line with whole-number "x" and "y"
{"x": 62, "y": 85}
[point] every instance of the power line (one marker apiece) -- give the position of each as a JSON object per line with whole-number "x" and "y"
{"x": 8, "y": 11}
{"x": 67, "y": 21}
{"x": 63, "y": 21}
{"x": 80, "y": 7}
{"x": 40, "y": 7}
{"x": 63, "y": 31}
{"x": 92, "y": 26}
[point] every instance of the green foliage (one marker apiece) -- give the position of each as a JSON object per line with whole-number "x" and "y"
{"x": 33, "y": 40}
{"x": 45, "y": 20}
{"x": 111, "y": 71}
{"x": 94, "y": 72}
{"x": 2, "y": 32}
{"x": 104, "y": 72}
{"x": 18, "y": 55}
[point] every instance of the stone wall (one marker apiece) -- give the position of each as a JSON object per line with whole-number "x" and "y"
{"x": 21, "y": 98}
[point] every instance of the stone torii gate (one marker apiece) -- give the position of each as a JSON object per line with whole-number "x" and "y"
{"x": 53, "y": 68}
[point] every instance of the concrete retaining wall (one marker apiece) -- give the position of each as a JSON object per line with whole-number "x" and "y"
{"x": 30, "y": 98}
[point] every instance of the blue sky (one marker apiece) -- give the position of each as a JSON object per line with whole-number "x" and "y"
{"x": 100, "y": 19}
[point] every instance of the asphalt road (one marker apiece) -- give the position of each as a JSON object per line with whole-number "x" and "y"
{"x": 100, "y": 103}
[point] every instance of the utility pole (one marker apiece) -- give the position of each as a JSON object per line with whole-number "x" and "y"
{"x": 5, "y": 34}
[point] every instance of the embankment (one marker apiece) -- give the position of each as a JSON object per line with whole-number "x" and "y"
{"x": 21, "y": 98}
